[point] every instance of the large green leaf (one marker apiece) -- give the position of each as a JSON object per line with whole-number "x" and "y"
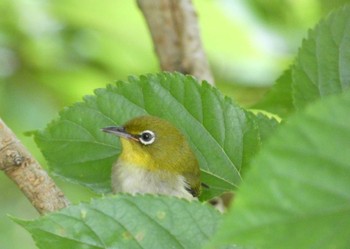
{"x": 297, "y": 193}
{"x": 322, "y": 66}
{"x": 223, "y": 136}
{"x": 320, "y": 69}
{"x": 126, "y": 221}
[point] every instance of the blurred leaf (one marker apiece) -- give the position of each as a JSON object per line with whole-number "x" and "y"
{"x": 126, "y": 221}
{"x": 274, "y": 12}
{"x": 321, "y": 68}
{"x": 296, "y": 195}
{"x": 98, "y": 34}
{"x": 328, "y": 5}
{"x": 223, "y": 136}
{"x": 279, "y": 99}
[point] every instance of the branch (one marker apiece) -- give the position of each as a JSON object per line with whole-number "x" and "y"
{"x": 25, "y": 171}
{"x": 175, "y": 33}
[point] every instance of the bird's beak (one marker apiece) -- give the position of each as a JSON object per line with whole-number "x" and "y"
{"x": 120, "y": 132}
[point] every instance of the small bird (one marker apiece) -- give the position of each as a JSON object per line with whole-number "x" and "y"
{"x": 156, "y": 158}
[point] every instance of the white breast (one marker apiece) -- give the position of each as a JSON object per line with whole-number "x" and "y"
{"x": 133, "y": 179}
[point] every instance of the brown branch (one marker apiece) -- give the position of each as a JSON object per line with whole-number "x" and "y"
{"x": 175, "y": 33}
{"x": 25, "y": 171}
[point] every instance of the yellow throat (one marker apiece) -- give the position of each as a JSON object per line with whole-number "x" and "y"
{"x": 135, "y": 155}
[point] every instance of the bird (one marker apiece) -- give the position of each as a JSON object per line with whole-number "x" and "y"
{"x": 156, "y": 158}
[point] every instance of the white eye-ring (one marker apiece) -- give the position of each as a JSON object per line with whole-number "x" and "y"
{"x": 147, "y": 137}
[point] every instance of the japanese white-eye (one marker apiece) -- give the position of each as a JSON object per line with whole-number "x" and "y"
{"x": 156, "y": 158}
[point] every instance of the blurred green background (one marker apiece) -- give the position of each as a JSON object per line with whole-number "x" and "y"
{"x": 54, "y": 52}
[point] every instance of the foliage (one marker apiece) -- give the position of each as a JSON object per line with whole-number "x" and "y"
{"x": 298, "y": 185}
{"x": 274, "y": 11}
{"x": 126, "y": 221}
{"x": 279, "y": 99}
{"x": 293, "y": 188}
{"x": 320, "y": 70}
{"x": 54, "y": 52}
{"x": 78, "y": 150}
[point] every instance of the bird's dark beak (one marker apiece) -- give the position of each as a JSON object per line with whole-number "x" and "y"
{"x": 119, "y": 131}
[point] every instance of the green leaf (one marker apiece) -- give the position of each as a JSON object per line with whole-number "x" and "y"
{"x": 223, "y": 136}
{"x": 297, "y": 192}
{"x": 279, "y": 99}
{"x": 260, "y": 127}
{"x": 126, "y": 221}
{"x": 320, "y": 69}
{"x": 266, "y": 125}
{"x": 322, "y": 66}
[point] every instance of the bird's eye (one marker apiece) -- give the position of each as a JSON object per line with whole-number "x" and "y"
{"x": 147, "y": 137}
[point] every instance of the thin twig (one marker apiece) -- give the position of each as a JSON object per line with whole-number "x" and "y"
{"x": 174, "y": 28}
{"x": 20, "y": 166}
